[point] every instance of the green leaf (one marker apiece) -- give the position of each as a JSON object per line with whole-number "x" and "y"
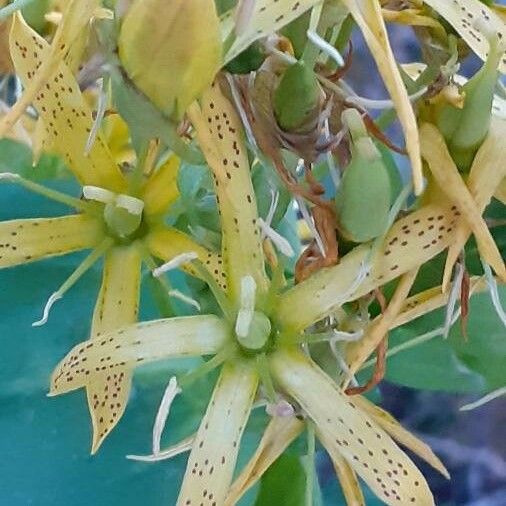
{"x": 284, "y": 483}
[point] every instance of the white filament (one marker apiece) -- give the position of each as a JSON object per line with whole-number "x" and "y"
{"x": 452, "y": 298}
{"x": 101, "y": 107}
{"x": 175, "y": 263}
{"x": 185, "y": 298}
{"x": 327, "y": 48}
{"x": 485, "y": 399}
{"x": 245, "y": 314}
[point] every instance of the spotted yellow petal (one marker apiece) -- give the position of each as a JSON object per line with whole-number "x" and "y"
{"x": 138, "y": 344}
{"x": 66, "y": 115}
{"x": 214, "y": 453}
{"x": 76, "y": 16}
{"x": 412, "y": 241}
{"x": 474, "y": 22}
{"x": 161, "y": 188}
{"x": 168, "y": 243}
{"x": 117, "y": 305}
{"x": 357, "y": 353}
{"x": 485, "y": 178}
{"x": 367, "y": 15}
{"x": 445, "y": 172}
{"x": 221, "y": 138}
{"x": 278, "y": 435}
{"x": 430, "y": 300}
{"x": 389, "y": 424}
{"x": 348, "y": 432}
{"x": 348, "y": 480}
{"x": 23, "y": 241}
{"x": 411, "y": 17}
{"x": 267, "y": 17}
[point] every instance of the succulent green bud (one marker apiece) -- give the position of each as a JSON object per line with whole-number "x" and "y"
{"x": 465, "y": 129}
{"x": 297, "y": 97}
{"x": 171, "y": 50}
{"x": 364, "y": 196}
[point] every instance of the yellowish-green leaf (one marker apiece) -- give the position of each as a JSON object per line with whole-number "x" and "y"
{"x": 67, "y": 117}
{"x": 221, "y": 138}
{"x": 214, "y": 453}
{"x": 23, "y": 241}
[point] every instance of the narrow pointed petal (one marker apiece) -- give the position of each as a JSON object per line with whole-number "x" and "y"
{"x": 64, "y": 110}
{"x": 445, "y": 172}
{"x": 221, "y": 138}
{"x": 278, "y": 435}
{"x": 268, "y": 16}
{"x": 169, "y": 243}
{"x": 474, "y": 22}
{"x": 23, "y": 241}
{"x": 348, "y": 479}
{"x": 430, "y": 300}
{"x": 117, "y": 306}
{"x": 367, "y": 15}
{"x": 136, "y": 345}
{"x": 412, "y": 241}
{"x": 161, "y": 188}
{"x": 389, "y": 424}
{"x": 350, "y": 433}
{"x": 358, "y": 352}
{"x": 214, "y": 453}
{"x": 485, "y": 178}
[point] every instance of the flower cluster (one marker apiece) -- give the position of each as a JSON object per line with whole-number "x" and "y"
{"x": 262, "y": 89}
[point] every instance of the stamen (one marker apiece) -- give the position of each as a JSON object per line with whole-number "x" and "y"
{"x": 133, "y": 205}
{"x": 98, "y": 194}
{"x": 309, "y": 221}
{"x": 175, "y": 263}
{"x": 72, "y": 280}
{"x": 101, "y": 108}
{"x": 170, "y": 394}
{"x": 185, "y": 298}
{"x": 183, "y": 446}
{"x": 280, "y": 242}
{"x": 245, "y": 314}
{"x": 272, "y": 208}
{"x": 327, "y": 48}
{"x": 452, "y": 299}
{"x": 45, "y": 192}
{"x": 485, "y": 399}
{"x": 494, "y": 292}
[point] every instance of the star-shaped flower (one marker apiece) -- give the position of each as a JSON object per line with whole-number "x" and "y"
{"x": 121, "y": 218}
{"x": 257, "y": 338}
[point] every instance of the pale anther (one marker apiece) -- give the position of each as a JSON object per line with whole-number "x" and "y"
{"x": 98, "y": 194}
{"x": 133, "y": 205}
{"x": 47, "y": 308}
{"x": 175, "y": 263}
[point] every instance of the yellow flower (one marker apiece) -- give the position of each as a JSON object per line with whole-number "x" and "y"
{"x": 121, "y": 218}
{"x": 257, "y": 338}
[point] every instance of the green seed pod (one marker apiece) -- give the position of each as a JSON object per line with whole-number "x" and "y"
{"x": 465, "y": 129}
{"x": 171, "y": 50}
{"x": 364, "y": 196}
{"x": 297, "y": 97}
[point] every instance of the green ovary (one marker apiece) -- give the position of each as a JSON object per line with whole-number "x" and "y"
{"x": 258, "y": 336}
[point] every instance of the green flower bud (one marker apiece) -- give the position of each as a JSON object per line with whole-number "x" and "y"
{"x": 297, "y": 97}
{"x": 171, "y": 50}
{"x": 364, "y": 196}
{"x": 465, "y": 129}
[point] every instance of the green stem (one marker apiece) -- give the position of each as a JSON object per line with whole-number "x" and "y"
{"x": 204, "y": 369}
{"x": 265, "y": 376}
{"x": 309, "y": 463}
